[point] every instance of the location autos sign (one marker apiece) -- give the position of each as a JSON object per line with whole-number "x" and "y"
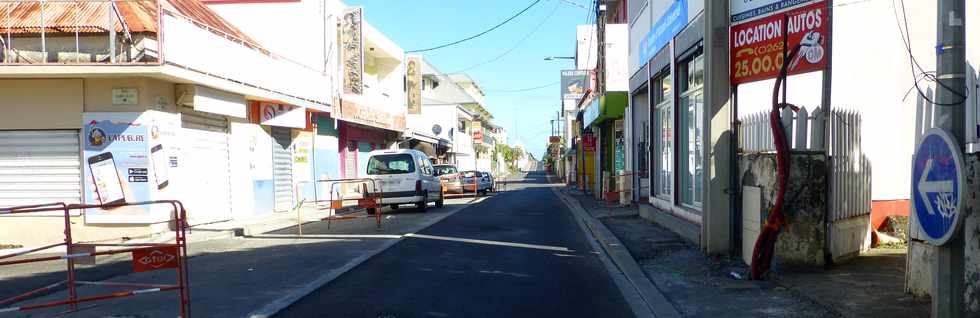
{"x": 574, "y": 83}
{"x": 670, "y": 23}
{"x": 756, "y": 48}
{"x": 937, "y": 186}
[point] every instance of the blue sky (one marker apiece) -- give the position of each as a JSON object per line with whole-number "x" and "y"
{"x": 419, "y": 24}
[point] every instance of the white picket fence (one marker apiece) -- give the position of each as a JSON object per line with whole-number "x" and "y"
{"x": 925, "y": 112}
{"x": 850, "y": 183}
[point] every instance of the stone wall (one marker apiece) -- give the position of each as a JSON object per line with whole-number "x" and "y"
{"x": 802, "y": 241}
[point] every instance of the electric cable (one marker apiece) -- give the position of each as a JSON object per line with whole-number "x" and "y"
{"x": 478, "y": 34}
{"x": 517, "y": 45}
{"x": 914, "y": 64}
{"x": 523, "y": 89}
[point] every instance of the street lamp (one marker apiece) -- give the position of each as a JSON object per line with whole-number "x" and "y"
{"x": 551, "y": 58}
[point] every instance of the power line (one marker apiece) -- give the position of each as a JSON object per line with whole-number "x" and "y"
{"x": 523, "y": 89}
{"x": 518, "y": 44}
{"x": 478, "y": 34}
{"x": 914, "y": 64}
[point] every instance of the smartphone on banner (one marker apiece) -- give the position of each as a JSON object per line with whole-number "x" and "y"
{"x": 160, "y": 166}
{"x": 107, "y": 183}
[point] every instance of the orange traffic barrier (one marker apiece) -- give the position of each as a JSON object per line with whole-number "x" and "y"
{"x": 368, "y": 199}
{"x": 146, "y": 257}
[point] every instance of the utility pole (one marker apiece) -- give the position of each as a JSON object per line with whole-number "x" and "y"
{"x": 948, "y": 290}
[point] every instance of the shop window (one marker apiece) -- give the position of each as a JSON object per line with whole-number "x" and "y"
{"x": 691, "y": 125}
{"x": 662, "y": 128}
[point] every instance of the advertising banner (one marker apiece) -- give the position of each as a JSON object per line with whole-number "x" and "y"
{"x": 128, "y": 157}
{"x": 588, "y": 142}
{"x": 574, "y": 83}
{"x": 413, "y": 81}
{"x": 477, "y": 132}
{"x": 756, "y": 50}
{"x": 352, "y": 50}
{"x": 742, "y": 10}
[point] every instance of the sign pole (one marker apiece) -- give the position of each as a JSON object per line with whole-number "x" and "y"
{"x": 948, "y": 279}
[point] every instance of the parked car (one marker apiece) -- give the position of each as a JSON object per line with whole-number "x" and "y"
{"x": 449, "y": 178}
{"x": 489, "y": 179}
{"x": 406, "y": 176}
{"x": 476, "y": 179}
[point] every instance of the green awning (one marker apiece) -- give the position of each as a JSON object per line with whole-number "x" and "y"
{"x": 612, "y": 105}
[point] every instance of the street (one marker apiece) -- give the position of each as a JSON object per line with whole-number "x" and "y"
{"x": 518, "y": 254}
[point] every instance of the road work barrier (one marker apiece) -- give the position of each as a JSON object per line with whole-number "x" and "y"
{"x": 146, "y": 257}
{"x": 369, "y": 198}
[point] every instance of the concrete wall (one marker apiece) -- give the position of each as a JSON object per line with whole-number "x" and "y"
{"x": 801, "y": 242}
{"x": 921, "y": 256}
{"x": 41, "y": 103}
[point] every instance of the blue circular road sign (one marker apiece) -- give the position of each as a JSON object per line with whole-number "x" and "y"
{"x": 937, "y": 186}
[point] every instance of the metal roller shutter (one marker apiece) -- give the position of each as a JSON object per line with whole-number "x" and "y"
{"x": 206, "y": 167}
{"x": 282, "y": 168}
{"x": 40, "y": 166}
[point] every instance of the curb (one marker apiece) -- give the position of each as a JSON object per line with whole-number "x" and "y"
{"x": 653, "y": 301}
{"x": 274, "y": 307}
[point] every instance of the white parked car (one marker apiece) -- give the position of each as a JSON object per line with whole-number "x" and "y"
{"x": 480, "y": 179}
{"x": 406, "y": 176}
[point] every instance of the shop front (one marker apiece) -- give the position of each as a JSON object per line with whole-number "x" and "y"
{"x": 362, "y": 130}
{"x": 604, "y": 117}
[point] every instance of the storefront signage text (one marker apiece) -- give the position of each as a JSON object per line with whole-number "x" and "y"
{"x": 744, "y": 10}
{"x": 670, "y": 23}
{"x": 366, "y": 116}
{"x": 757, "y": 46}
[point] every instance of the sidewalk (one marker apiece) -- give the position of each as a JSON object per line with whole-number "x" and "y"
{"x": 251, "y": 275}
{"x": 696, "y": 285}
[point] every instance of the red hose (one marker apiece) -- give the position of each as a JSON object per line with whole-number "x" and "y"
{"x": 765, "y": 245}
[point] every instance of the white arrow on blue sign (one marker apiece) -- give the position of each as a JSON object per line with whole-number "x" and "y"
{"x": 937, "y": 186}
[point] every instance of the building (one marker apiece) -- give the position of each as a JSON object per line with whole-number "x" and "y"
{"x": 178, "y": 119}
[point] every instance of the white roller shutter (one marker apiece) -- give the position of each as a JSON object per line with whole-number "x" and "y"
{"x": 205, "y": 167}
{"x": 39, "y": 166}
{"x": 282, "y": 168}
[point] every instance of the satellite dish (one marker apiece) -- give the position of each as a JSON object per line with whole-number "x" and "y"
{"x": 436, "y": 129}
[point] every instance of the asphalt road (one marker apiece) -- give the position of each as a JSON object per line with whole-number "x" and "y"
{"x": 518, "y": 254}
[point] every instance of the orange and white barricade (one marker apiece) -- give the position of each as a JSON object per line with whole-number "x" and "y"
{"x": 363, "y": 193}
{"x": 146, "y": 257}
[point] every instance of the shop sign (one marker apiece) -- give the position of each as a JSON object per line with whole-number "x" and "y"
{"x": 128, "y": 158}
{"x": 125, "y": 96}
{"x": 352, "y": 50}
{"x": 591, "y": 113}
{"x": 744, "y": 10}
{"x": 413, "y": 83}
{"x": 574, "y": 83}
{"x": 670, "y": 23}
{"x": 756, "y": 51}
{"x": 353, "y": 112}
{"x": 554, "y": 139}
{"x": 477, "y": 132}
{"x": 588, "y": 142}
{"x": 280, "y": 115}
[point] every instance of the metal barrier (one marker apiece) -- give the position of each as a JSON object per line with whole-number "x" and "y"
{"x": 146, "y": 257}
{"x": 368, "y": 200}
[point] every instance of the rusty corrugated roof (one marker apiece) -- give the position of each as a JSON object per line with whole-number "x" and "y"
{"x": 92, "y": 17}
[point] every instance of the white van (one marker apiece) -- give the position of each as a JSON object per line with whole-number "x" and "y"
{"x": 406, "y": 176}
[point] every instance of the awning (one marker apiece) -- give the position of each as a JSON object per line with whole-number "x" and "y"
{"x": 569, "y": 152}
{"x": 612, "y": 105}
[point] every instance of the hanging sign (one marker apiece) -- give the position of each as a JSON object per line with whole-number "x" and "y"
{"x": 477, "y": 132}
{"x": 756, "y": 48}
{"x": 588, "y": 142}
{"x": 352, "y": 50}
{"x": 413, "y": 83}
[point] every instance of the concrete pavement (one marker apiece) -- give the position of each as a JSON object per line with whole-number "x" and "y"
{"x": 234, "y": 277}
{"x": 521, "y": 254}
